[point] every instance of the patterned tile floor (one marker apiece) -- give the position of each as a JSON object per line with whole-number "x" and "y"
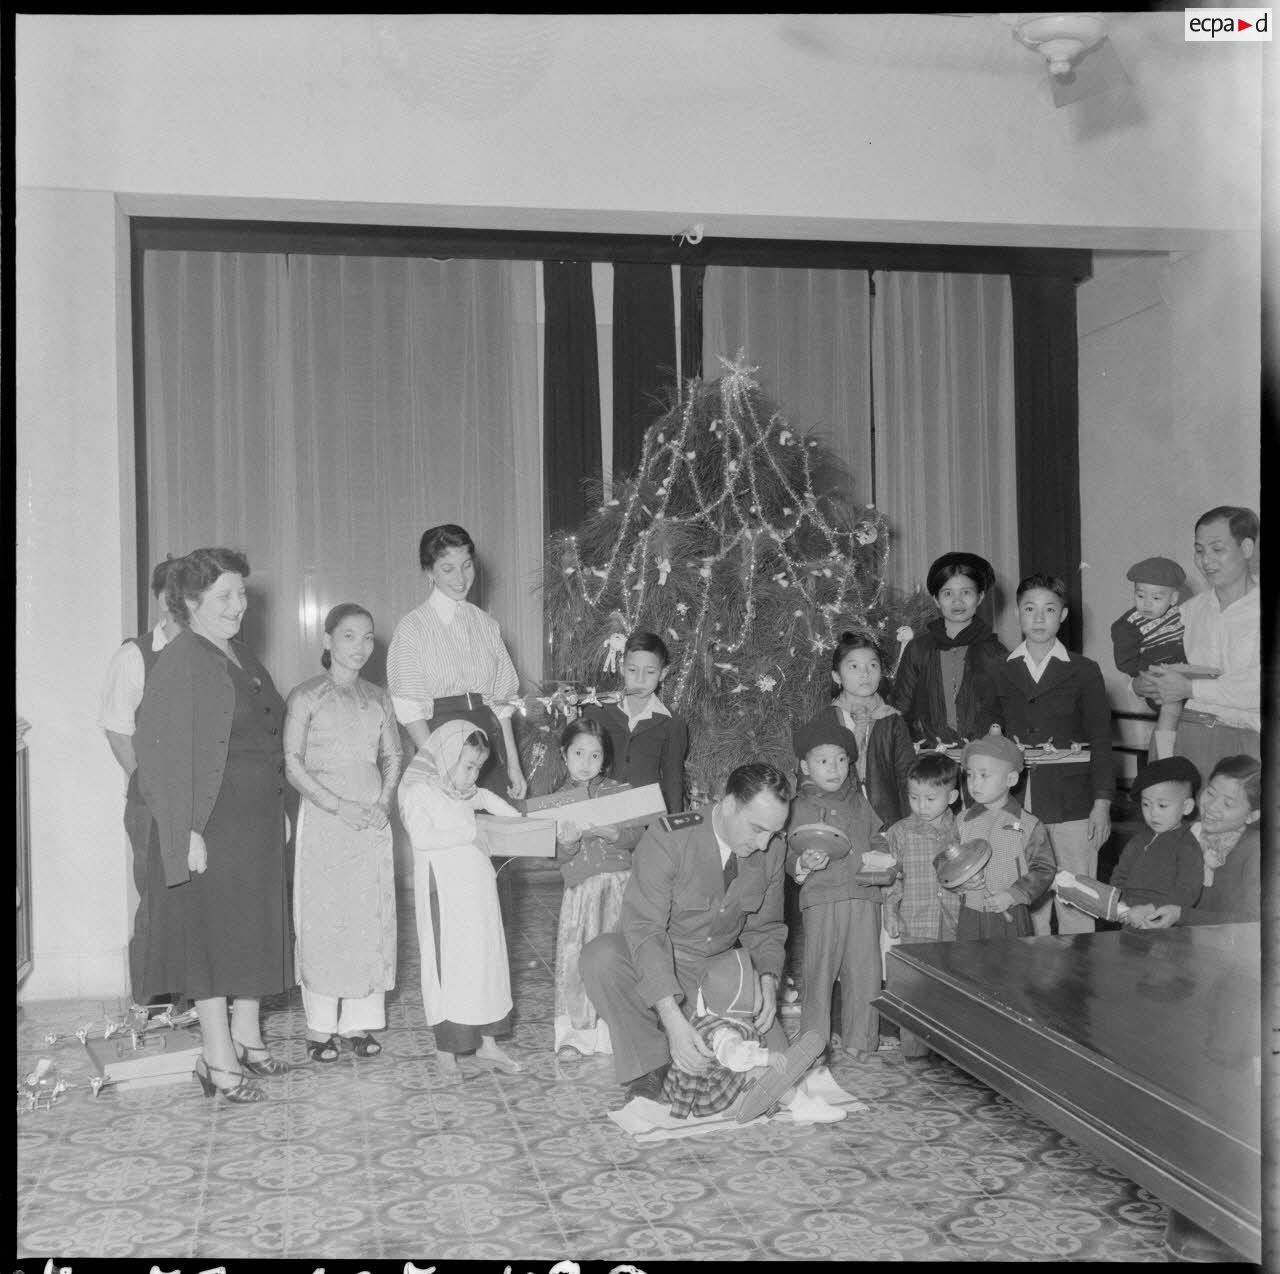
{"x": 372, "y": 1159}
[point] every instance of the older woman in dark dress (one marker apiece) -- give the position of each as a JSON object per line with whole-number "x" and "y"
{"x": 211, "y": 770}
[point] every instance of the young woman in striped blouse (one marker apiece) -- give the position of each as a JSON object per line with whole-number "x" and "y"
{"x": 447, "y": 658}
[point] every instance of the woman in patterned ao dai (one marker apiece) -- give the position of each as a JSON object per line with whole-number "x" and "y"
{"x": 342, "y": 752}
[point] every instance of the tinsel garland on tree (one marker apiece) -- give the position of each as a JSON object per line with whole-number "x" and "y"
{"x": 737, "y": 542}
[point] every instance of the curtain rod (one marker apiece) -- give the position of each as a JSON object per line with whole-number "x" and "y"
{"x": 176, "y": 234}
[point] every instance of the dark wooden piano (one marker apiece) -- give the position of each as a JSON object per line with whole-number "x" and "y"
{"x": 1143, "y": 1047}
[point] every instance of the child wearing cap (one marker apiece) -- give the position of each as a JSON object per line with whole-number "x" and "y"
{"x": 1163, "y": 865}
{"x": 724, "y": 1012}
{"x": 841, "y": 915}
{"x": 1022, "y": 863}
{"x": 917, "y": 909}
{"x": 1150, "y": 633}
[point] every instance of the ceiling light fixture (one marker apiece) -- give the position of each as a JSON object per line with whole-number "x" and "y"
{"x": 1060, "y": 38}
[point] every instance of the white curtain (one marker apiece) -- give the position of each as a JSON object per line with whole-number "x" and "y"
{"x": 944, "y": 451}
{"x": 808, "y": 331}
{"x": 320, "y": 412}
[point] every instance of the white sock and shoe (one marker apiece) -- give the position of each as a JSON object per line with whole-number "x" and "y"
{"x": 806, "y": 1109}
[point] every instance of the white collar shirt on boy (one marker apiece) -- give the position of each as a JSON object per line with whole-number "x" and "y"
{"x": 654, "y": 708}
{"x": 1058, "y": 651}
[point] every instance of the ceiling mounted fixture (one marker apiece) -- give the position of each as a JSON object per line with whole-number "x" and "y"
{"x": 1059, "y": 38}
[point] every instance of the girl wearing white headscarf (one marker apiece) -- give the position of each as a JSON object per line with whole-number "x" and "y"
{"x": 466, "y": 983}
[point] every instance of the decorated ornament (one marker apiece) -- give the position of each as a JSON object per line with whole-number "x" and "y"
{"x": 904, "y": 636}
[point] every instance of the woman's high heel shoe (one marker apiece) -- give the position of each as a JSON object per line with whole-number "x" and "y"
{"x": 243, "y": 1093}
{"x": 268, "y": 1066}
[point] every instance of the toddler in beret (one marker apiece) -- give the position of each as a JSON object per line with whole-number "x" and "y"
{"x": 1150, "y": 633}
{"x": 1162, "y": 864}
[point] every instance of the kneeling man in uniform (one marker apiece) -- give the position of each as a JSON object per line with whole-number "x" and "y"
{"x": 701, "y": 883}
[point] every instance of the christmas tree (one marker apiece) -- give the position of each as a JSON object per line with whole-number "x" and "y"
{"x": 737, "y": 541}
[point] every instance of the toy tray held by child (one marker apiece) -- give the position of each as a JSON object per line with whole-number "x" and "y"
{"x": 820, "y": 836}
{"x": 1047, "y": 754}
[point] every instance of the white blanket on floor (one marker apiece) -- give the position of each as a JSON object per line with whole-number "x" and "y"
{"x": 649, "y": 1121}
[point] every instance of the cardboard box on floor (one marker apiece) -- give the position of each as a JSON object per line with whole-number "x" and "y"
{"x": 159, "y": 1057}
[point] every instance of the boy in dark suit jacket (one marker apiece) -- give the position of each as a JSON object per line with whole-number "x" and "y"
{"x": 1051, "y": 695}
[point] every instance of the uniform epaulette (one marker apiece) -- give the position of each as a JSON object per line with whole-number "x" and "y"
{"x": 676, "y": 822}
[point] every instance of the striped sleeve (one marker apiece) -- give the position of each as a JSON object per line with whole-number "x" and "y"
{"x": 428, "y": 660}
{"x": 504, "y": 681}
{"x": 407, "y": 681}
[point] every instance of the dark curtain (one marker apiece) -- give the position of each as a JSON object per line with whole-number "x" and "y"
{"x": 691, "y": 280}
{"x": 644, "y": 355}
{"x": 571, "y": 392}
{"x": 1046, "y": 406}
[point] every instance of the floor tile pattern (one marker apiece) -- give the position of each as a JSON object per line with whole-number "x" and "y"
{"x": 375, "y": 1159}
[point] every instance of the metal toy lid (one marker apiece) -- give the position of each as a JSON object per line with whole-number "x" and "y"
{"x": 958, "y": 863}
{"x": 821, "y": 836}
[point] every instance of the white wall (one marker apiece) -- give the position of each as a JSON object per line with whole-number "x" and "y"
{"x": 71, "y": 581}
{"x": 1169, "y": 417}
{"x": 909, "y": 127}
{"x": 922, "y": 121}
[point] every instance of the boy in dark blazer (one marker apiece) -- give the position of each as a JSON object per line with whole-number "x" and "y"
{"x": 1051, "y": 695}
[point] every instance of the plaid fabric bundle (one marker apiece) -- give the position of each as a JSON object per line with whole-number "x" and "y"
{"x": 714, "y": 1091}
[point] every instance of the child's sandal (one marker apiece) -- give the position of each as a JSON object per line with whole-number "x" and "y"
{"x": 365, "y": 1045}
{"x": 324, "y": 1050}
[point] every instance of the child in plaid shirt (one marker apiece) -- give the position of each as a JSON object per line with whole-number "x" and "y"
{"x": 917, "y": 908}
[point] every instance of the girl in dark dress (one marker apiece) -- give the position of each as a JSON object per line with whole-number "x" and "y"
{"x": 211, "y": 770}
{"x": 945, "y": 683}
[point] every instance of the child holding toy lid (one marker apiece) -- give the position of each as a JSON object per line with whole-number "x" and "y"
{"x": 841, "y": 914}
{"x": 1022, "y": 863}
